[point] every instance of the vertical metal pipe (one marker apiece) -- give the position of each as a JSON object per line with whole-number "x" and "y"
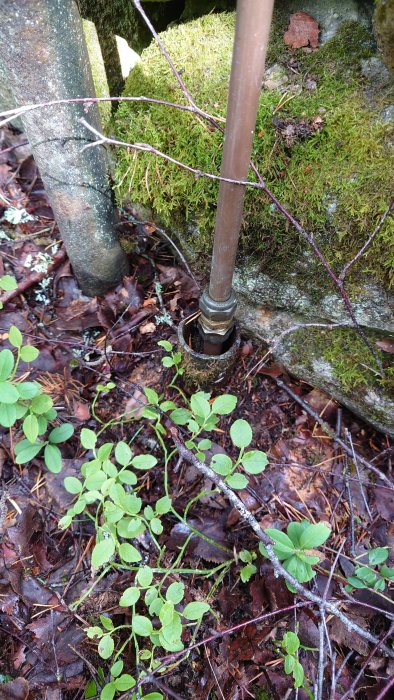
{"x": 247, "y": 70}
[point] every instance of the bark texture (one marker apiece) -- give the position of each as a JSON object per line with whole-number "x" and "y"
{"x": 44, "y": 53}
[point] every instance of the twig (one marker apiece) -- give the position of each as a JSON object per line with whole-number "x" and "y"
{"x": 147, "y": 148}
{"x": 327, "y": 429}
{"x": 372, "y": 653}
{"x": 355, "y": 462}
{"x": 322, "y": 657}
{"x": 352, "y": 551}
{"x": 366, "y": 245}
{"x": 386, "y": 689}
{"x": 34, "y": 278}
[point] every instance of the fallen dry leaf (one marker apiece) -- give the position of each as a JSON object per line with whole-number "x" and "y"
{"x": 17, "y": 689}
{"x": 303, "y": 31}
{"x": 148, "y": 327}
{"x": 386, "y": 344}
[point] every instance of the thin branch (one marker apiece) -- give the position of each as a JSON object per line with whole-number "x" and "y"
{"x": 371, "y": 654}
{"x": 327, "y": 429}
{"x": 147, "y": 148}
{"x": 367, "y": 243}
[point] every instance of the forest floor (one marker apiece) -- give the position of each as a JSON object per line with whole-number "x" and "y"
{"x": 50, "y": 592}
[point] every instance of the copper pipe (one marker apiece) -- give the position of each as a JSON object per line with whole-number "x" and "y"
{"x": 247, "y": 71}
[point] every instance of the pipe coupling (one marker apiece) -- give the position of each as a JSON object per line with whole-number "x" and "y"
{"x": 217, "y": 317}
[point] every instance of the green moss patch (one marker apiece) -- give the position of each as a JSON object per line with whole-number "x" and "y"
{"x": 336, "y": 181}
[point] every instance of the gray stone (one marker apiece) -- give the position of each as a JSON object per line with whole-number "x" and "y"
{"x": 374, "y": 70}
{"x": 387, "y": 115}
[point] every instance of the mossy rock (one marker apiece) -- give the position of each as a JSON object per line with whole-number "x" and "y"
{"x": 384, "y": 29}
{"x": 336, "y": 180}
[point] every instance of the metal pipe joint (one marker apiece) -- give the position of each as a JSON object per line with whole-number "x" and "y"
{"x": 217, "y": 317}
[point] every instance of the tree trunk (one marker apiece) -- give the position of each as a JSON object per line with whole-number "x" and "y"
{"x": 44, "y": 53}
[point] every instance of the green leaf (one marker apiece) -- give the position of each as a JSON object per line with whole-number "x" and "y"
{"x": 298, "y": 675}
{"x": 297, "y": 568}
{"x": 314, "y": 536}
{"x": 241, "y": 433}
{"x": 109, "y": 690}
{"x": 88, "y": 439}
{"x": 8, "y": 393}
{"x": 103, "y": 552}
{"x": 200, "y": 405}
{"x": 247, "y": 572}
{"x": 291, "y": 643}
{"x": 225, "y": 404}
{"x": 28, "y": 452}
{"x": 237, "y": 481}
{"x": 41, "y": 404}
{"x": 127, "y": 477}
{"x": 104, "y": 451}
{"x": 156, "y": 696}
{"x": 106, "y": 623}
{"x": 141, "y": 625}
{"x": 378, "y": 555}
{"x": 6, "y": 364}
{"x": 166, "y": 614}
{"x": 93, "y": 632}
{"x": 195, "y": 610}
{"x": 167, "y": 361}
{"x": 28, "y": 390}
{"x": 53, "y": 459}
{"x": 125, "y": 682}
{"x": 254, "y": 462}
{"x": 152, "y": 396}
{"x": 90, "y": 690}
{"x": 163, "y": 505}
{"x": 129, "y": 597}
{"x": 180, "y": 416}
{"x": 144, "y": 576}
{"x": 156, "y": 526}
{"x": 15, "y": 337}
{"x": 166, "y": 345}
{"x": 175, "y": 592}
{"x": 387, "y": 572}
{"x": 29, "y": 353}
{"x": 282, "y": 541}
{"x": 61, "y": 433}
{"x": 356, "y": 582}
{"x": 8, "y": 283}
{"x": 172, "y": 631}
{"x": 106, "y": 647}
{"x": 30, "y": 428}
{"x": 95, "y": 481}
{"x": 289, "y": 664}
{"x": 204, "y": 445}
{"x": 221, "y": 464}
{"x": 117, "y": 668}
{"x": 129, "y": 553}
{"x": 295, "y": 530}
{"x": 8, "y": 414}
{"x": 123, "y": 454}
{"x": 72, "y": 485}
{"x": 167, "y": 406}
{"x": 144, "y": 461}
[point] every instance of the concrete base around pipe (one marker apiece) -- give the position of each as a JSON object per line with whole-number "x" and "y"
{"x": 202, "y": 371}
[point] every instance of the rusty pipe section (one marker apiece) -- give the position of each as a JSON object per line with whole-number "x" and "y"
{"x": 218, "y": 303}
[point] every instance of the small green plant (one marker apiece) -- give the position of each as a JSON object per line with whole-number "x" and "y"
{"x": 296, "y": 549}
{"x": 372, "y": 576}
{"x": 7, "y": 284}
{"x": 25, "y": 403}
{"x": 289, "y": 649}
{"x": 247, "y": 571}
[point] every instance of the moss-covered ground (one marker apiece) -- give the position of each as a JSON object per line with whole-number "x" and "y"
{"x": 337, "y": 181}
